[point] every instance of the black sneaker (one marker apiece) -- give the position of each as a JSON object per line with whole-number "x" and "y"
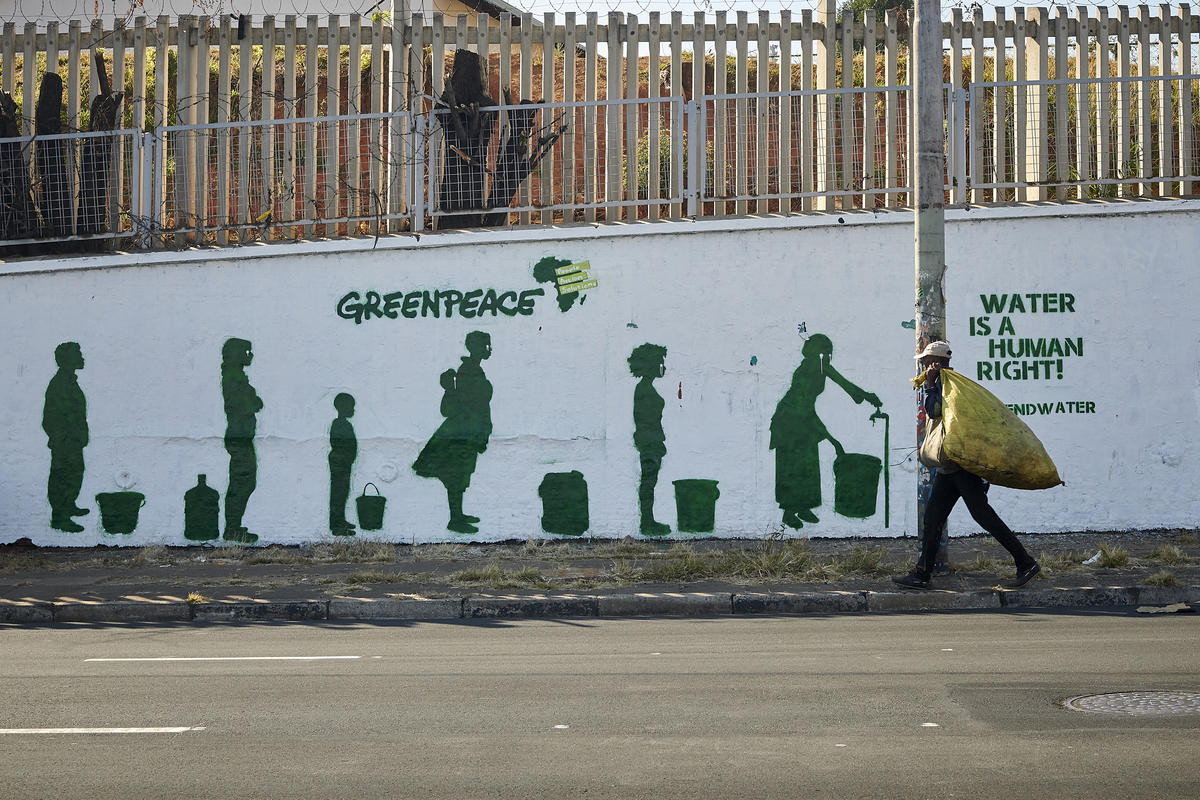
{"x": 1024, "y": 576}
{"x": 913, "y": 580}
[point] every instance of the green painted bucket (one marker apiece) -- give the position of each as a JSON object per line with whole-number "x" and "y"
{"x": 119, "y": 510}
{"x": 370, "y": 509}
{"x": 856, "y": 484}
{"x": 696, "y": 504}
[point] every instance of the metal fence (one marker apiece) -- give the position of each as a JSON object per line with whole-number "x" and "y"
{"x": 631, "y": 159}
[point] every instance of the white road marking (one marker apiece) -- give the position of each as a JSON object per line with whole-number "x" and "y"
{"x": 181, "y": 729}
{"x": 230, "y": 658}
{"x": 930, "y": 725}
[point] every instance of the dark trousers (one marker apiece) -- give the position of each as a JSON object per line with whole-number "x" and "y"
{"x": 66, "y": 478}
{"x": 947, "y": 489}
{"x": 339, "y": 492}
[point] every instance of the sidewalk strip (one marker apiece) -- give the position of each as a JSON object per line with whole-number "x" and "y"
{"x": 231, "y": 658}
{"x": 31, "y": 731}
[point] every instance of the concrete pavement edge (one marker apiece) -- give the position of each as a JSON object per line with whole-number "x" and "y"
{"x": 632, "y": 604}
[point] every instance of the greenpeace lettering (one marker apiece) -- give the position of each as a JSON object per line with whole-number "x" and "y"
{"x": 436, "y": 303}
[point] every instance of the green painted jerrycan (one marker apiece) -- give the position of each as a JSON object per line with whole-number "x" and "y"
{"x": 201, "y": 512}
{"x": 564, "y": 503}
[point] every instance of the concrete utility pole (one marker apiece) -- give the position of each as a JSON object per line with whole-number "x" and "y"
{"x": 930, "y": 210}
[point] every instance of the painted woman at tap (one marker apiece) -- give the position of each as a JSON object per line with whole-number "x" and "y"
{"x": 796, "y": 430}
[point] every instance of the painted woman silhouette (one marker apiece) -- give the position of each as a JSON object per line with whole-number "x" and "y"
{"x": 647, "y": 362}
{"x": 451, "y": 452}
{"x": 796, "y": 430}
{"x": 242, "y": 403}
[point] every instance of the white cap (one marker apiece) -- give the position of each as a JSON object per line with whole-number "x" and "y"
{"x": 939, "y": 348}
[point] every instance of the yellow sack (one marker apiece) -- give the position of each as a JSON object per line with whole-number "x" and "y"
{"x": 985, "y": 437}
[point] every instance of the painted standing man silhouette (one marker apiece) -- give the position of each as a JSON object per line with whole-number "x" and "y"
{"x": 648, "y": 362}
{"x": 64, "y": 419}
{"x": 241, "y": 405}
{"x": 343, "y": 449}
{"x": 796, "y": 430}
{"x": 451, "y": 452}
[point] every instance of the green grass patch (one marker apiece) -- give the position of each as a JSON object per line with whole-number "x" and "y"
{"x": 276, "y": 554}
{"x": 981, "y": 563}
{"x": 367, "y": 578}
{"x": 1113, "y": 557}
{"x": 493, "y": 576}
{"x": 1169, "y": 554}
{"x": 1163, "y": 578}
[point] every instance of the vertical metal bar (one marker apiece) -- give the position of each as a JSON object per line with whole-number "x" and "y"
{"x": 570, "y": 139}
{"x": 1062, "y": 105}
{"x": 589, "y": 117}
{"x": 1145, "y": 102}
{"x": 720, "y": 115}
{"x": 245, "y": 169}
{"x": 846, "y": 121}
{"x": 288, "y": 187}
{"x": 1166, "y": 110}
{"x": 224, "y": 56}
{"x": 375, "y": 127}
{"x": 979, "y": 129}
{"x": 787, "y": 186}
{"x": 266, "y": 132}
{"x": 397, "y": 122}
{"x": 333, "y": 129}
{"x": 741, "y": 124}
{"x": 1188, "y": 163}
{"x": 311, "y": 82}
{"x": 762, "y": 123}
{"x": 699, "y": 95}
{"x": 117, "y": 190}
{"x": 870, "y": 80}
{"x": 892, "y": 79}
{"x": 546, "y": 170}
{"x": 526, "y": 93}
{"x": 1103, "y": 97}
{"x": 677, "y": 151}
{"x": 1126, "y": 164}
{"x": 202, "y": 135}
{"x": 354, "y": 105}
{"x": 1000, "y": 106}
{"x": 632, "y": 162}
{"x": 695, "y": 160}
{"x": 1083, "y": 111}
{"x": 29, "y": 82}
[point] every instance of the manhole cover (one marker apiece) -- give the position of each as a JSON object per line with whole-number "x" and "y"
{"x": 1144, "y": 704}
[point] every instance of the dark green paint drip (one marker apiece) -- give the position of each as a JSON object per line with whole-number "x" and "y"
{"x": 64, "y": 419}
{"x": 450, "y": 453}
{"x": 796, "y": 431}
{"x": 696, "y": 504}
{"x": 119, "y": 510}
{"x": 242, "y": 404}
{"x": 343, "y": 449}
{"x": 201, "y": 512}
{"x": 564, "y": 503}
{"x": 647, "y": 362}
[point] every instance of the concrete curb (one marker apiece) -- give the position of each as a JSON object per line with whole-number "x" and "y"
{"x": 633, "y": 604}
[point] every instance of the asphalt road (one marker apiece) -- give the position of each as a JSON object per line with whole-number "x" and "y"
{"x": 882, "y": 706}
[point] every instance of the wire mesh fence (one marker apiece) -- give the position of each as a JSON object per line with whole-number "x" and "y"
{"x": 67, "y": 187}
{"x": 1084, "y": 138}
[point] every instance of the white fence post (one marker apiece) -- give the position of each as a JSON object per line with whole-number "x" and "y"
{"x": 695, "y": 126}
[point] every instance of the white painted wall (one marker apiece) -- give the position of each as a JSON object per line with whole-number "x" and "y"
{"x": 717, "y": 295}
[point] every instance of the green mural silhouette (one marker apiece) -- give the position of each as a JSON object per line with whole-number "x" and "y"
{"x": 343, "y": 449}
{"x": 64, "y": 419}
{"x": 564, "y": 503}
{"x": 796, "y": 430}
{"x": 648, "y": 362}
{"x": 451, "y": 452}
{"x": 201, "y": 511}
{"x": 543, "y": 272}
{"x": 242, "y": 403}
